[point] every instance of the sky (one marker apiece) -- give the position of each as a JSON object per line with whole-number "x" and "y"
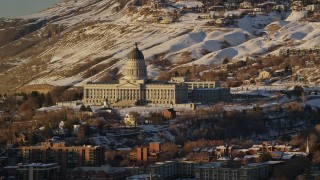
{"x": 13, "y": 8}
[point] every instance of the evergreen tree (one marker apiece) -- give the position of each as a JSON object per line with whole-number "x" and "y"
{"x": 25, "y": 97}
{"x": 88, "y": 109}
{"x": 289, "y": 95}
{"x": 176, "y": 74}
{"x": 287, "y": 69}
{"x": 48, "y": 100}
{"x": 308, "y": 174}
{"x": 297, "y": 91}
{"x": 225, "y": 61}
{"x": 47, "y": 132}
{"x": 69, "y": 124}
{"x": 40, "y": 99}
{"x": 83, "y": 132}
{"x": 33, "y": 139}
{"x": 264, "y": 157}
{"x": 34, "y": 94}
{"x": 83, "y": 108}
{"x": 307, "y": 108}
{"x": 188, "y": 74}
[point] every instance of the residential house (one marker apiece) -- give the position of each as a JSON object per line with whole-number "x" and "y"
{"x": 217, "y": 8}
{"x": 264, "y": 75}
{"x": 259, "y": 10}
{"x": 167, "y": 20}
{"x": 296, "y": 5}
{"x": 130, "y": 120}
{"x": 312, "y": 7}
{"x": 158, "y": 4}
{"x": 267, "y": 6}
{"x": 205, "y": 16}
{"x": 246, "y": 5}
{"x": 231, "y": 6}
{"x": 222, "y": 22}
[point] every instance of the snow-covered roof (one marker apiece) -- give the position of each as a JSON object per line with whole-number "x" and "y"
{"x": 105, "y": 168}
{"x": 189, "y": 4}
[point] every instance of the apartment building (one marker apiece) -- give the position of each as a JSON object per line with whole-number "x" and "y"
{"x": 67, "y": 157}
{"x": 145, "y": 154}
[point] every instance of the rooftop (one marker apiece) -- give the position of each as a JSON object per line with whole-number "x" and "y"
{"x": 105, "y": 168}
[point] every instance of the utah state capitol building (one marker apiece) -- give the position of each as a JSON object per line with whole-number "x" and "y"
{"x": 136, "y": 89}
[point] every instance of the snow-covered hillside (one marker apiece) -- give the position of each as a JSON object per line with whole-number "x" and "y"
{"x": 79, "y": 37}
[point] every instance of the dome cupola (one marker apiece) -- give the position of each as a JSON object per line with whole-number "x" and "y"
{"x": 135, "y": 53}
{"x": 135, "y": 68}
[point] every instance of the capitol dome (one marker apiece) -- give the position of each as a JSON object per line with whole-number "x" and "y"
{"x": 136, "y": 54}
{"x": 135, "y": 68}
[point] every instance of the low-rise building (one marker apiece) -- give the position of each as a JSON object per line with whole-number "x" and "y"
{"x": 174, "y": 169}
{"x": 38, "y": 171}
{"x": 209, "y": 96}
{"x": 143, "y": 177}
{"x": 99, "y": 172}
{"x": 218, "y": 170}
{"x": 202, "y": 157}
{"x": 284, "y": 148}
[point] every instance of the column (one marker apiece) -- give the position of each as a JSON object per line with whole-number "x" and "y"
{"x": 85, "y": 94}
{"x": 174, "y": 96}
{"x": 116, "y": 93}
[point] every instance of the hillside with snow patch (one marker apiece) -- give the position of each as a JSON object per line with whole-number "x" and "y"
{"x": 74, "y": 42}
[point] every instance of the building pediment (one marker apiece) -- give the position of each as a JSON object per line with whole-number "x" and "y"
{"x": 129, "y": 85}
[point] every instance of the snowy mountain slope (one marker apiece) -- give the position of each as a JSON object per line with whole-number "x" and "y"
{"x": 84, "y": 40}
{"x": 292, "y": 33}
